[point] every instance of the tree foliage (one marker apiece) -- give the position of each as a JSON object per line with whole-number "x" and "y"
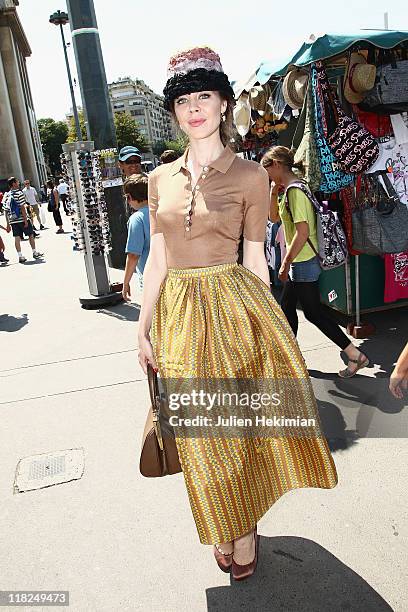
{"x": 128, "y": 133}
{"x": 178, "y": 145}
{"x": 53, "y": 134}
{"x": 72, "y": 135}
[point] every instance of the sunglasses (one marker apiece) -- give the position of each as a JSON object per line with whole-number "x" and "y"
{"x": 132, "y": 160}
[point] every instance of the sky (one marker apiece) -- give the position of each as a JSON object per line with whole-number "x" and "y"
{"x": 137, "y": 38}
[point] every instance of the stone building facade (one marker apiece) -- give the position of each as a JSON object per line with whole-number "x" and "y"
{"x": 134, "y": 97}
{"x": 20, "y": 146}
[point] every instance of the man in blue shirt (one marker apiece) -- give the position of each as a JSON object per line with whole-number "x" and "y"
{"x": 138, "y": 242}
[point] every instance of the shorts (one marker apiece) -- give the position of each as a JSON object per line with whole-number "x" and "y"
{"x": 19, "y": 230}
{"x": 305, "y": 271}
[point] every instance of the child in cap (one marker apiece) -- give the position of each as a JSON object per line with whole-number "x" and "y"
{"x": 138, "y": 241}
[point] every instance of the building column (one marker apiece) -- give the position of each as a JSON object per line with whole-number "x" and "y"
{"x": 10, "y": 164}
{"x": 22, "y": 126}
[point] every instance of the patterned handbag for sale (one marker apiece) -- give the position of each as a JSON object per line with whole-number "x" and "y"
{"x": 353, "y": 146}
{"x": 379, "y": 225}
{"x": 306, "y": 144}
{"x": 390, "y": 93}
{"x": 332, "y": 176}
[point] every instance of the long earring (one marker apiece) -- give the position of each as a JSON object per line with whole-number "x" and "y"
{"x": 223, "y": 117}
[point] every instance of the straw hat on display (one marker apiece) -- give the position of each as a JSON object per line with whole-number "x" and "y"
{"x": 358, "y": 79}
{"x": 242, "y": 114}
{"x": 294, "y": 87}
{"x": 258, "y": 98}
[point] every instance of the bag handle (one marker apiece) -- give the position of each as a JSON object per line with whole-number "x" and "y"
{"x": 155, "y": 401}
{"x": 330, "y": 108}
{"x": 310, "y": 243}
{"x": 389, "y": 188}
{"x": 301, "y": 122}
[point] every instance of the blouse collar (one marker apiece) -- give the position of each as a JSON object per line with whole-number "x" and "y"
{"x": 222, "y": 163}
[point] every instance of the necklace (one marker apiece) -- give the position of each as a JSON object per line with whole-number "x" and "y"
{"x": 189, "y": 208}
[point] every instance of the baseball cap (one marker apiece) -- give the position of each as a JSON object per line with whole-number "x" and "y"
{"x": 127, "y": 152}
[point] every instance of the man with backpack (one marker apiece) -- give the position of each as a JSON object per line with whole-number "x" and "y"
{"x": 18, "y": 219}
{"x": 33, "y": 202}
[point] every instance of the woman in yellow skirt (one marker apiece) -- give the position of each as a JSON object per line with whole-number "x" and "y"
{"x": 206, "y": 317}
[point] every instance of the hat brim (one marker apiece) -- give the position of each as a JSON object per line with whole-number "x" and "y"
{"x": 350, "y": 95}
{"x": 242, "y": 117}
{"x": 293, "y": 98}
{"x": 125, "y": 157}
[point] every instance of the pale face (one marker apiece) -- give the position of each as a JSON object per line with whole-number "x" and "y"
{"x": 199, "y": 113}
{"x": 274, "y": 171}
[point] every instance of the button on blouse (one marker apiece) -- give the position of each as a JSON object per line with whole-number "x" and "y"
{"x": 202, "y": 226}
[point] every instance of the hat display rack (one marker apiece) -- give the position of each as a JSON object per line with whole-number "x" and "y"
{"x": 256, "y": 119}
{"x": 354, "y": 74}
{"x": 90, "y": 224}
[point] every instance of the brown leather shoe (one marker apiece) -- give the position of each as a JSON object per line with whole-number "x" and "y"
{"x": 224, "y": 561}
{"x": 241, "y": 572}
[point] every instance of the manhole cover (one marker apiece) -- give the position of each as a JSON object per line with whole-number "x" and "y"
{"x": 47, "y": 469}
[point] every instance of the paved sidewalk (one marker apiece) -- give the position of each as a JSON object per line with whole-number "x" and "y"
{"x": 70, "y": 378}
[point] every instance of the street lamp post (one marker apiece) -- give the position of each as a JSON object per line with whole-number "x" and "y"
{"x": 60, "y": 18}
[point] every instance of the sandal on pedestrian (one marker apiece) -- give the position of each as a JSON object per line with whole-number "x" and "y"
{"x": 362, "y": 362}
{"x": 241, "y": 572}
{"x": 224, "y": 561}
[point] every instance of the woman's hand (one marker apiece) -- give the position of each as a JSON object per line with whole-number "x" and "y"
{"x": 284, "y": 271}
{"x": 146, "y": 354}
{"x": 398, "y": 384}
{"x": 126, "y": 292}
{"x": 399, "y": 377}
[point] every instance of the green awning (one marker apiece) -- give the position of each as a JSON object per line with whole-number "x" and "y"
{"x": 331, "y": 45}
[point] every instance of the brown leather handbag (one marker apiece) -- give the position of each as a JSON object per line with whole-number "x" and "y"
{"x": 159, "y": 455}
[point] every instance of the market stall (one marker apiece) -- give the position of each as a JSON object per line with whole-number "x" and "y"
{"x": 342, "y": 102}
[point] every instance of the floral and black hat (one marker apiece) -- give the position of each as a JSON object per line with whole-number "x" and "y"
{"x": 192, "y": 70}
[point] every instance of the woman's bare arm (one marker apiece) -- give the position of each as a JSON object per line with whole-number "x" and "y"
{"x": 274, "y": 208}
{"x": 254, "y": 259}
{"x": 154, "y": 274}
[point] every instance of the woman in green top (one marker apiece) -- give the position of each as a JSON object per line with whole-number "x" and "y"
{"x": 300, "y": 269}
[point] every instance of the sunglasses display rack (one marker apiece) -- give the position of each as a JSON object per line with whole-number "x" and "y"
{"x": 77, "y": 225}
{"x": 91, "y": 234}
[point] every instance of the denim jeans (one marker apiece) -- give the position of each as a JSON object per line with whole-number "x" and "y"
{"x": 305, "y": 271}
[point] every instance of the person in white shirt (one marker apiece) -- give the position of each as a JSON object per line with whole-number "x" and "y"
{"x": 63, "y": 190}
{"x": 31, "y": 197}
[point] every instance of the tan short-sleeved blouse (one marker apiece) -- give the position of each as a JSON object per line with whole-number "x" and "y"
{"x": 231, "y": 197}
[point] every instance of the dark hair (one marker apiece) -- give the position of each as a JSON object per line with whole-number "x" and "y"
{"x": 50, "y": 184}
{"x": 227, "y": 126}
{"x": 136, "y": 186}
{"x": 168, "y": 156}
{"x": 283, "y": 156}
{"x": 199, "y": 79}
{"x": 11, "y": 180}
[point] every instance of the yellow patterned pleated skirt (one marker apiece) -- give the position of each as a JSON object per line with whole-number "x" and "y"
{"x": 223, "y": 321}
